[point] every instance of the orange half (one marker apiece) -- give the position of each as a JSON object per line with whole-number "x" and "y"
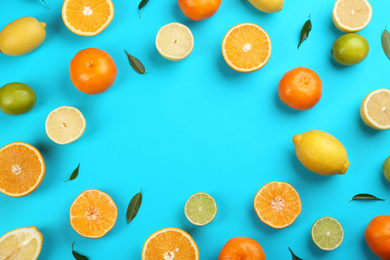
{"x": 277, "y": 204}
{"x": 93, "y": 213}
{"x": 22, "y": 169}
{"x": 170, "y": 243}
{"x": 87, "y": 17}
{"x": 246, "y": 47}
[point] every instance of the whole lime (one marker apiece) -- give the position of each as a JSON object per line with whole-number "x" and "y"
{"x": 350, "y": 49}
{"x": 386, "y": 168}
{"x": 16, "y": 98}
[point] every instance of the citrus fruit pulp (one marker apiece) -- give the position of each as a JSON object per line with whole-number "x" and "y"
{"x": 93, "y": 213}
{"x": 22, "y": 169}
{"x": 200, "y": 209}
{"x": 170, "y": 244}
{"x": 351, "y": 15}
{"x": 242, "y": 248}
{"x": 277, "y": 204}
{"x": 327, "y": 233}
{"x": 374, "y": 109}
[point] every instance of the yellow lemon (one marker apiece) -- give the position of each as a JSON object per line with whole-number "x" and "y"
{"x": 268, "y": 6}
{"x": 321, "y": 153}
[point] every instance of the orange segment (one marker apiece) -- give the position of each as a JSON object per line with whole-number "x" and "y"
{"x": 246, "y": 47}
{"x": 170, "y": 243}
{"x": 93, "y": 213}
{"x": 22, "y": 169}
{"x": 87, "y": 17}
{"x": 277, "y": 204}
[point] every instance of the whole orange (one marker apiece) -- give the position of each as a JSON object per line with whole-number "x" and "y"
{"x": 242, "y": 248}
{"x": 377, "y": 236}
{"x": 199, "y": 9}
{"x": 92, "y": 71}
{"x": 300, "y": 88}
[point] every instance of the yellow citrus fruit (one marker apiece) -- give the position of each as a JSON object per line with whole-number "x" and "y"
{"x": 321, "y": 153}
{"x": 374, "y": 109}
{"x": 351, "y": 15}
{"x": 268, "y": 6}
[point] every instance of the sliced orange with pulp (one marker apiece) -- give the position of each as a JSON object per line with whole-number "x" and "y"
{"x": 246, "y": 47}
{"x": 93, "y": 213}
{"x": 277, "y": 204}
{"x": 170, "y": 243}
{"x": 87, "y": 17}
{"x": 22, "y": 169}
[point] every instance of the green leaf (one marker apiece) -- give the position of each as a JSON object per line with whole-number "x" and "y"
{"x": 294, "y": 257}
{"x": 141, "y": 5}
{"x": 364, "y": 196}
{"x": 134, "y": 205}
{"x": 46, "y": 4}
{"x": 135, "y": 64}
{"x": 305, "y": 31}
{"x": 74, "y": 174}
{"x": 385, "y": 39}
{"x": 77, "y": 256}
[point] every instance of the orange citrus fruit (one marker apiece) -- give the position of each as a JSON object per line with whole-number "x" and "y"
{"x": 199, "y": 9}
{"x": 242, "y": 248}
{"x": 87, "y": 17}
{"x": 93, "y": 213}
{"x": 92, "y": 71}
{"x": 170, "y": 243}
{"x": 246, "y": 47}
{"x": 22, "y": 169}
{"x": 377, "y": 236}
{"x": 300, "y": 88}
{"x": 277, "y": 204}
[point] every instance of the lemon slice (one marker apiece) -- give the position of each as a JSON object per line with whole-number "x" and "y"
{"x": 174, "y": 41}
{"x": 200, "y": 209}
{"x": 65, "y": 125}
{"x": 22, "y": 243}
{"x": 351, "y": 15}
{"x": 375, "y": 109}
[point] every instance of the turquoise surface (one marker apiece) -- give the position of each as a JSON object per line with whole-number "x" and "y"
{"x": 197, "y": 125}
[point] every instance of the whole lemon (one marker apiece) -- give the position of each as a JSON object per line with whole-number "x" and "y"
{"x": 268, "y": 6}
{"x": 16, "y": 98}
{"x": 350, "y": 49}
{"x": 321, "y": 153}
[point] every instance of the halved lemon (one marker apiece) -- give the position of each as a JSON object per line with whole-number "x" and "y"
{"x": 65, "y": 125}
{"x": 375, "y": 109}
{"x": 351, "y": 15}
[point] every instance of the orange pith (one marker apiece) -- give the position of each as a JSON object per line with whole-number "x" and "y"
{"x": 22, "y": 169}
{"x": 87, "y": 17}
{"x": 170, "y": 243}
{"x": 93, "y": 213}
{"x": 277, "y": 204}
{"x": 246, "y": 47}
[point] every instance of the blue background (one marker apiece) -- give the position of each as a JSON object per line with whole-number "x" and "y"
{"x": 197, "y": 125}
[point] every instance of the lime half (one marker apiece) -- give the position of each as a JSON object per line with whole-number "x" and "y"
{"x": 200, "y": 209}
{"x": 327, "y": 233}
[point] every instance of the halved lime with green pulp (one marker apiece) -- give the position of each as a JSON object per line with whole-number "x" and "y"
{"x": 200, "y": 209}
{"x": 327, "y": 233}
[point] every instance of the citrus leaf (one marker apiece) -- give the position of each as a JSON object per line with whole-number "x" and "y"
{"x": 135, "y": 64}
{"x": 134, "y": 205}
{"x": 385, "y": 39}
{"x": 46, "y": 4}
{"x": 74, "y": 174}
{"x": 77, "y": 256}
{"x": 364, "y": 196}
{"x": 305, "y": 31}
{"x": 294, "y": 257}
{"x": 141, "y": 5}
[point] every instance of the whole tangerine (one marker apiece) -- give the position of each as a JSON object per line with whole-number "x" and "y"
{"x": 242, "y": 248}
{"x": 300, "y": 88}
{"x": 92, "y": 71}
{"x": 377, "y": 236}
{"x": 199, "y": 9}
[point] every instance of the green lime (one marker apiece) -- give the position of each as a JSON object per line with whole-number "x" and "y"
{"x": 386, "y": 168}
{"x": 16, "y": 98}
{"x": 327, "y": 233}
{"x": 200, "y": 209}
{"x": 350, "y": 49}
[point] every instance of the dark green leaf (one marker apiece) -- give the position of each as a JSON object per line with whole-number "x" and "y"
{"x": 294, "y": 257}
{"x": 44, "y": 2}
{"x": 134, "y": 206}
{"x": 386, "y": 42}
{"x": 142, "y": 4}
{"x": 77, "y": 256}
{"x": 305, "y": 31}
{"x": 135, "y": 64}
{"x": 364, "y": 196}
{"x": 74, "y": 174}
